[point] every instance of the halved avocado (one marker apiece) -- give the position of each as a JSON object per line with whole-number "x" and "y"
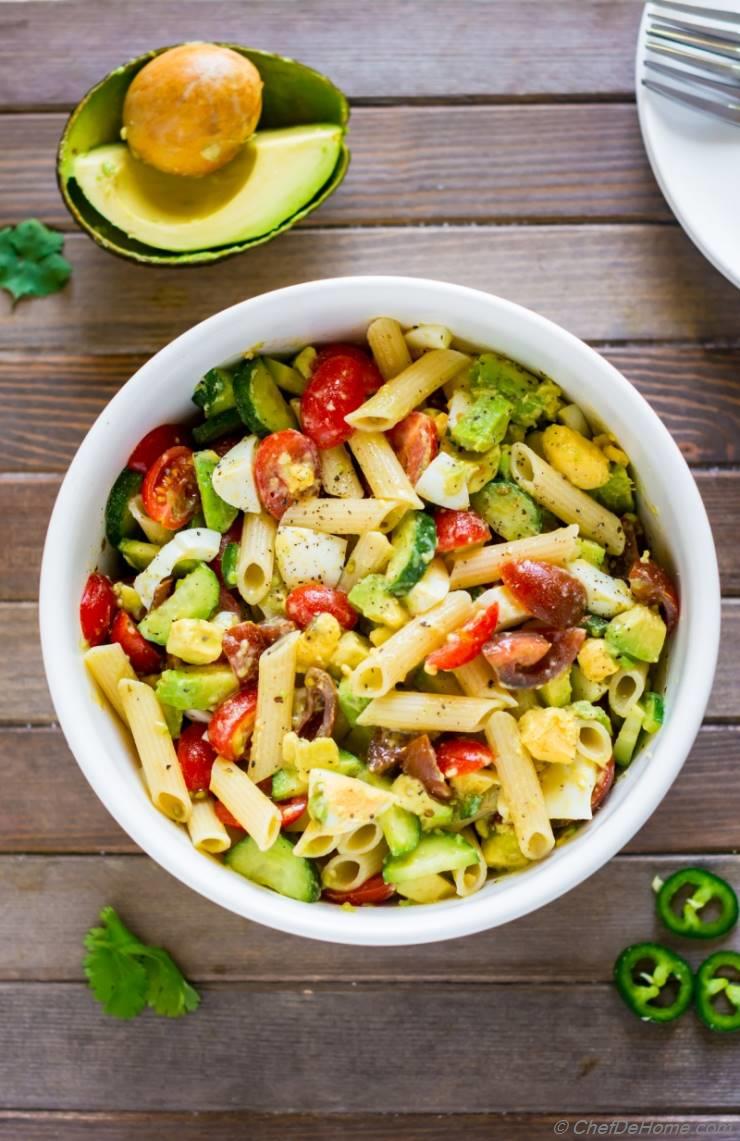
{"x": 293, "y": 95}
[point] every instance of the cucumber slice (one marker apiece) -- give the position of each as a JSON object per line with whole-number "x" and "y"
{"x": 214, "y": 392}
{"x": 435, "y": 853}
{"x": 414, "y": 543}
{"x": 229, "y": 559}
{"x": 195, "y": 596}
{"x": 654, "y": 712}
{"x": 278, "y": 868}
{"x": 401, "y": 829}
{"x": 508, "y": 510}
{"x": 119, "y": 522}
{"x": 218, "y": 514}
{"x": 138, "y": 554}
{"x": 196, "y": 687}
{"x": 217, "y": 426}
{"x": 287, "y": 378}
{"x": 259, "y": 401}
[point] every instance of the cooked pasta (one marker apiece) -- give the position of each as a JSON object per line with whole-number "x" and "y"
{"x": 382, "y": 469}
{"x": 256, "y": 557}
{"x": 338, "y": 475}
{"x": 345, "y": 872}
{"x": 275, "y": 690}
{"x": 247, "y": 804}
{"x": 521, "y": 787}
{"x": 626, "y": 687}
{"x": 477, "y": 679}
{"x": 339, "y": 516}
{"x": 594, "y": 741}
{"x": 401, "y": 395}
{"x": 471, "y": 879}
{"x": 109, "y": 665}
{"x": 387, "y": 344}
{"x": 370, "y": 555}
{"x": 361, "y": 841}
{"x": 484, "y": 565}
{"x": 206, "y": 830}
{"x": 428, "y": 712}
{"x": 159, "y": 761}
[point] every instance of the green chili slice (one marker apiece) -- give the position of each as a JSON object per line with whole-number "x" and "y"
{"x": 655, "y": 983}
{"x": 718, "y": 994}
{"x": 705, "y": 888}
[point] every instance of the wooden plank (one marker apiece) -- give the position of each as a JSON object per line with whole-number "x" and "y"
{"x": 47, "y": 806}
{"x": 424, "y": 164}
{"x": 310, "y": 1048}
{"x": 24, "y": 697}
{"x": 581, "y": 48}
{"x": 50, "y": 401}
{"x": 226, "y": 1126}
{"x": 574, "y": 939}
{"x": 602, "y": 282}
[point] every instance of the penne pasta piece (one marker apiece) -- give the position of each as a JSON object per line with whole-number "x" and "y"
{"x": 108, "y": 665}
{"x": 382, "y": 468}
{"x": 339, "y": 516}
{"x": 428, "y": 713}
{"x": 276, "y": 687}
{"x": 404, "y": 392}
{"x": 387, "y": 344}
{"x": 256, "y": 557}
{"x": 627, "y": 687}
{"x": 477, "y": 679}
{"x": 594, "y": 742}
{"x": 396, "y": 657}
{"x": 520, "y": 786}
{"x": 206, "y": 830}
{"x": 156, "y": 751}
{"x": 471, "y": 879}
{"x": 422, "y": 338}
{"x": 315, "y": 841}
{"x": 569, "y": 503}
{"x": 362, "y": 840}
{"x": 338, "y": 475}
{"x": 484, "y": 565}
{"x": 248, "y": 804}
{"x": 371, "y": 554}
{"x": 347, "y": 872}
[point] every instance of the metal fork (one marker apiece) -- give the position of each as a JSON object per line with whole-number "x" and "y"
{"x": 701, "y": 47}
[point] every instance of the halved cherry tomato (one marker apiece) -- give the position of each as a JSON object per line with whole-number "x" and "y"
{"x": 603, "y": 785}
{"x": 286, "y": 469}
{"x": 525, "y": 659}
{"x": 415, "y": 441}
{"x": 292, "y": 810}
{"x": 243, "y": 646}
{"x": 456, "y": 529}
{"x": 226, "y": 817}
{"x": 466, "y": 643}
{"x": 196, "y": 758}
{"x": 231, "y": 725}
{"x": 546, "y": 591}
{"x": 336, "y": 388}
{"x": 97, "y": 608}
{"x": 152, "y": 446}
{"x": 652, "y": 586}
{"x": 459, "y": 755}
{"x": 144, "y": 657}
{"x": 374, "y": 890}
{"x": 170, "y": 489}
{"x": 312, "y": 598}
{"x": 371, "y": 377}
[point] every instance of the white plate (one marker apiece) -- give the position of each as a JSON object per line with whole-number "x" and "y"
{"x": 696, "y": 161}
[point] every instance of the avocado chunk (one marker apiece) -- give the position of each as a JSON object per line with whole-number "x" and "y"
{"x": 414, "y": 544}
{"x": 509, "y": 510}
{"x": 218, "y": 514}
{"x": 435, "y": 853}
{"x": 638, "y": 632}
{"x": 372, "y": 598}
{"x": 501, "y": 850}
{"x": 617, "y": 493}
{"x": 557, "y": 692}
{"x": 484, "y": 424}
{"x": 278, "y": 868}
{"x": 275, "y": 174}
{"x": 531, "y": 397}
{"x": 196, "y": 687}
{"x": 350, "y": 704}
{"x": 195, "y": 596}
{"x": 137, "y": 553}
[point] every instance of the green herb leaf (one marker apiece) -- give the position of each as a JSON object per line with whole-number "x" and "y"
{"x": 31, "y": 263}
{"x": 126, "y": 975}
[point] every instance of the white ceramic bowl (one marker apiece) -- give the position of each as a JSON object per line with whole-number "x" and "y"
{"x": 339, "y": 310}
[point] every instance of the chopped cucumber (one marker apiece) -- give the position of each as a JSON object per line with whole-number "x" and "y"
{"x": 654, "y": 712}
{"x": 414, "y": 544}
{"x": 195, "y": 596}
{"x": 119, "y": 522}
{"x": 638, "y": 632}
{"x": 401, "y": 829}
{"x": 305, "y": 361}
{"x": 285, "y": 377}
{"x": 259, "y": 401}
{"x": 137, "y": 553}
{"x": 628, "y": 735}
{"x": 217, "y": 426}
{"x": 509, "y": 510}
{"x": 214, "y": 392}
{"x": 173, "y": 719}
{"x": 595, "y": 626}
{"x": 196, "y": 687}
{"x": 229, "y": 559}
{"x": 558, "y": 691}
{"x": 218, "y": 514}
{"x": 435, "y": 853}
{"x": 278, "y": 868}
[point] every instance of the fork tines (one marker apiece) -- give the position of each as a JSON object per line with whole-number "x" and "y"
{"x": 701, "y": 47}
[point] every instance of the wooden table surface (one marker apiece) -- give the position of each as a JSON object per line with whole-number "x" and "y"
{"x": 494, "y": 144}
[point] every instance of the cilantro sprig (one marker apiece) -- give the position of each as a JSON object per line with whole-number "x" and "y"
{"x": 126, "y": 976}
{"x": 31, "y": 262}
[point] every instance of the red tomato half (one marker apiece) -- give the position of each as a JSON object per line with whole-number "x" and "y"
{"x": 170, "y": 489}
{"x": 603, "y": 785}
{"x": 196, "y": 758}
{"x": 226, "y": 817}
{"x": 144, "y": 657}
{"x": 278, "y": 460}
{"x": 466, "y": 643}
{"x": 336, "y": 388}
{"x": 371, "y": 377}
{"x": 456, "y": 529}
{"x": 152, "y": 446}
{"x": 546, "y": 591}
{"x": 97, "y": 608}
{"x": 231, "y": 725}
{"x": 374, "y": 890}
{"x": 415, "y": 441}
{"x": 460, "y": 755}
{"x": 292, "y": 810}
{"x": 310, "y": 599}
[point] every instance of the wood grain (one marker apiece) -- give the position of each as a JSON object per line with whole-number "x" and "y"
{"x": 423, "y": 164}
{"x": 575, "y": 939}
{"x": 49, "y": 401}
{"x": 379, "y": 52}
{"x": 266, "y": 1045}
{"x": 608, "y": 283}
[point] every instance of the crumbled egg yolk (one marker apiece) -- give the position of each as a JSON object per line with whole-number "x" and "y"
{"x": 550, "y": 734}
{"x": 595, "y": 661}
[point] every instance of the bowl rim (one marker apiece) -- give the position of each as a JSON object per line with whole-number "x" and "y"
{"x": 545, "y": 882}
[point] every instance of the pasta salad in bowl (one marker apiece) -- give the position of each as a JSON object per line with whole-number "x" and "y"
{"x": 387, "y": 620}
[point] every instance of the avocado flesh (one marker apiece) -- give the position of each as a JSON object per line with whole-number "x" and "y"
{"x": 275, "y": 174}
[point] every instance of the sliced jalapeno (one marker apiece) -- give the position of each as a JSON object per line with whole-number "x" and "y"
{"x": 718, "y": 991}
{"x": 643, "y": 972}
{"x": 705, "y": 888}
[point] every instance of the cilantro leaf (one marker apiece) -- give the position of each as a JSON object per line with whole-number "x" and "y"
{"x": 126, "y": 975}
{"x": 31, "y": 263}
